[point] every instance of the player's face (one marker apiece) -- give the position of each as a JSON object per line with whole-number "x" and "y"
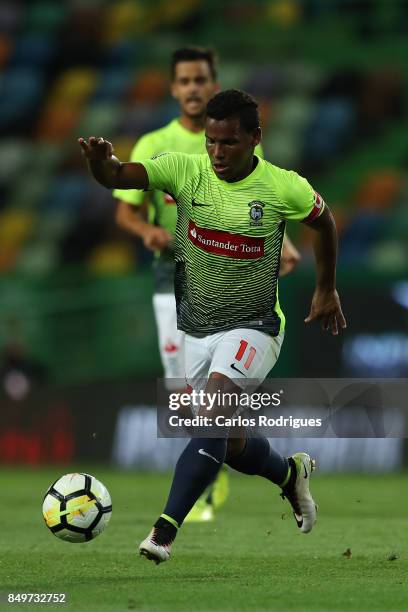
{"x": 230, "y": 148}
{"x": 193, "y": 86}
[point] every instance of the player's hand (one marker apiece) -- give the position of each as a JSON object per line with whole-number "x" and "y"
{"x": 290, "y": 257}
{"x": 157, "y": 239}
{"x": 326, "y": 307}
{"x": 96, "y": 149}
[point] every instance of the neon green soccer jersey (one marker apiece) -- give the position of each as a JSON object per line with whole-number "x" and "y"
{"x": 162, "y": 208}
{"x": 171, "y": 138}
{"x": 228, "y": 240}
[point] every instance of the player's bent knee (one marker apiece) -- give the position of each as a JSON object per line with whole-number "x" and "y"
{"x": 222, "y": 396}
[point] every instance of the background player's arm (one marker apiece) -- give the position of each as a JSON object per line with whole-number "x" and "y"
{"x": 290, "y": 257}
{"x": 326, "y": 303}
{"x": 133, "y": 219}
{"x": 108, "y": 170}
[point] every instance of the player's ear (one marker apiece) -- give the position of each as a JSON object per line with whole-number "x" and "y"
{"x": 217, "y": 87}
{"x": 256, "y": 136}
{"x": 174, "y": 90}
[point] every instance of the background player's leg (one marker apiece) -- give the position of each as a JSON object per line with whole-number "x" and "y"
{"x": 171, "y": 341}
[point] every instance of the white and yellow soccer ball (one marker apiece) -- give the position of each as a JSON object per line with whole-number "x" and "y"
{"x": 77, "y": 507}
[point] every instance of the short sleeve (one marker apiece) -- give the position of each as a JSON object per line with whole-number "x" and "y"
{"x": 299, "y": 201}
{"x": 169, "y": 172}
{"x": 143, "y": 149}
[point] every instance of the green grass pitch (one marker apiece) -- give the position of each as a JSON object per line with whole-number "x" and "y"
{"x": 251, "y": 558}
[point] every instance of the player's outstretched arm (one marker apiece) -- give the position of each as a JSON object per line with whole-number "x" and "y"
{"x": 326, "y": 303}
{"x": 108, "y": 170}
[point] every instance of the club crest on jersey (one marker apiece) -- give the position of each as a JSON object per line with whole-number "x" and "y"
{"x": 256, "y": 212}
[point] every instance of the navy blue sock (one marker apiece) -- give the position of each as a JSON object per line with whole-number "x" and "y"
{"x": 196, "y": 468}
{"x": 259, "y": 459}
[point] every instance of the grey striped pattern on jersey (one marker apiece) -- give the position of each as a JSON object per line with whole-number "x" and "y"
{"x": 227, "y": 262}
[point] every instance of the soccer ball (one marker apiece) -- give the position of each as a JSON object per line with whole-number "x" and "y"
{"x": 77, "y": 507}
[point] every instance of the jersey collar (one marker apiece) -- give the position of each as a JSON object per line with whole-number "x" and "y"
{"x": 245, "y": 181}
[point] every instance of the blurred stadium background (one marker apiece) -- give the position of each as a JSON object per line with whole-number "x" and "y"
{"x": 77, "y": 339}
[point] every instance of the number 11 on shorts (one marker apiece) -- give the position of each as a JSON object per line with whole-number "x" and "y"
{"x": 243, "y": 345}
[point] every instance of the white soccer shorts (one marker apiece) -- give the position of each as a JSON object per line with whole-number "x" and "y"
{"x": 244, "y": 355}
{"x": 171, "y": 340}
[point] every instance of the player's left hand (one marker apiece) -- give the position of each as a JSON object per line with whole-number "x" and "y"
{"x": 290, "y": 257}
{"x": 326, "y": 307}
{"x": 96, "y": 149}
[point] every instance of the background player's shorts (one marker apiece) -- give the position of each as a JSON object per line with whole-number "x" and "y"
{"x": 171, "y": 340}
{"x": 244, "y": 355}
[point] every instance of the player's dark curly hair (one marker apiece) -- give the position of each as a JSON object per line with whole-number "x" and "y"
{"x": 235, "y": 103}
{"x": 194, "y": 54}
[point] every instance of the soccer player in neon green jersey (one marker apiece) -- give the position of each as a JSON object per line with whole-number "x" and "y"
{"x": 152, "y": 217}
{"x": 193, "y": 83}
{"x": 232, "y": 210}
